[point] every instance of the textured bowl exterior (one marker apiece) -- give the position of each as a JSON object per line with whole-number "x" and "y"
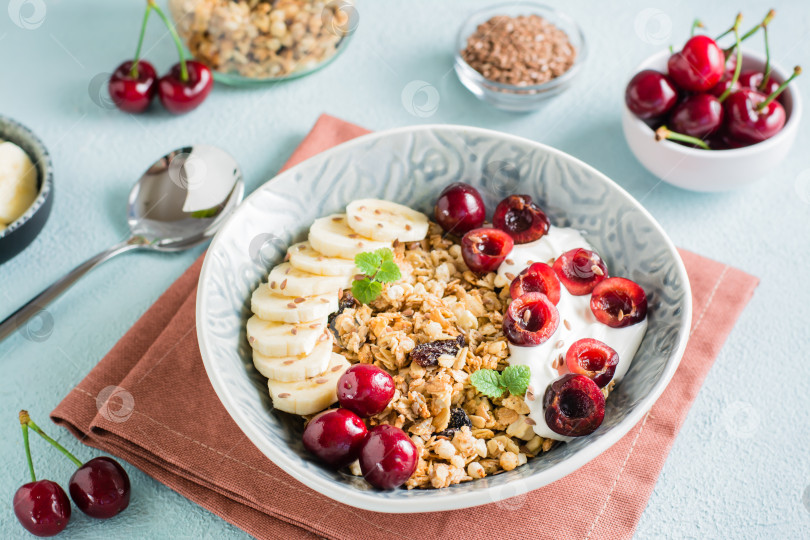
{"x": 411, "y": 166}
{"x": 714, "y": 170}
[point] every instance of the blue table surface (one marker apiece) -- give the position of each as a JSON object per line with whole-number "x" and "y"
{"x": 739, "y": 467}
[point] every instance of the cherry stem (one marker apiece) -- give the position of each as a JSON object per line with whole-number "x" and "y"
{"x": 737, "y": 64}
{"x": 24, "y": 426}
{"x": 796, "y": 72}
{"x": 767, "y": 72}
{"x": 134, "y": 71}
{"x": 768, "y": 17}
{"x": 53, "y": 443}
{"x": 175, "y": 37}
{"x": 695, "y": 25}
{"x": 664, "y": 133}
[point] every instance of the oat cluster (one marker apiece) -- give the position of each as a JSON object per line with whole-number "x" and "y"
{"x": 260, "y": 38}
{"x": 523, "y": 51}
{"x": 439, "y": 298}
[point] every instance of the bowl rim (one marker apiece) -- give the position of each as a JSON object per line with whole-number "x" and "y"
{"x": 513, "y": 89}
{"x": 442, "y": 499}
{"x": 728, "y": 153}
{"x": 46, "y": 183}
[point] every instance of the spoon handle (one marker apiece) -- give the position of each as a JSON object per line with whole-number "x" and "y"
{"x": 37, "y": 304}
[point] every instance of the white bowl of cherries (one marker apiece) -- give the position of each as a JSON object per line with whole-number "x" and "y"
{"x": 700, "y": 120}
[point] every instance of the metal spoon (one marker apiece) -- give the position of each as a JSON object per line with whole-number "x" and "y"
{"x": 179, "y": 202}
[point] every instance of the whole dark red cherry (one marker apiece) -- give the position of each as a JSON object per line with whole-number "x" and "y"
{"x": 100, "y": 488}
{"x": 365, "y": 389}
{"x": 42, "y": 507}
{"x": 130, "y": 93}
{"x": 700, "y": 115}
{"x": 650, "y": 94}
{"x": 179, "y": 96}
{"x": 388, "y": 457}
{"x": 459, "y": 209}
{"x": 335, "y": 436}
{"x": 698, "y": 66}
{"x": 745, "y": 122}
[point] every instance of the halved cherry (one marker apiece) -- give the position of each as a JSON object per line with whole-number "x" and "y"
{"x": 575, "y": 406}
{"x": 538, "y": 277}
{"x": 592, "y": 358}
{"x": 619, "y": 302}
{"x": 530, "y": 320}
{"x": 580, "y": 270}
{"x": 485, "y": 249}
{"x": 521, "y": 218}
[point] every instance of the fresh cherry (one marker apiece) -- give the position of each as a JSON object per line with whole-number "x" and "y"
{"x": 746, "y": 122}
{"x": 726, "y": 82}
{"x": 180, "y": 95}
{"x": 592, "y": 358}
{"x": 580, "y": 270}
{"x": 575, "y": 406}
{"x": 618, "y": 302}
{"x": 459, "y": 208}
{"x": 538, "y": 277}
{"x": 698, "y": 66}
{"x": 753, "y": 79}
{"x": 650, "y": 94}
{"x": 388, "y": 457}
{"x": 530, "y": 320}
{"x": 521, "y": 219}
{"x": 365, "y": 389}
{"x": 335, "y": 436}
{"x": 133, "y": 91}
{"x": 485, "y": 249}
{"x": 100, "y": 488}
{"x": 700, "y": 115}
{"x": 42, "y": 507}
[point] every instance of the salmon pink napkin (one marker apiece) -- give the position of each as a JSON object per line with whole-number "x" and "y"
{"x": 149, "y": 402}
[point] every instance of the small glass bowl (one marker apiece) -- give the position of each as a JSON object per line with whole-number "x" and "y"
{"x": 509, "y": 97}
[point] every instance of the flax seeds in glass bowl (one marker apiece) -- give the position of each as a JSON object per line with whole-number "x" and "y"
{"x": 515, "y": 56}
{"x": 255, "y": 41}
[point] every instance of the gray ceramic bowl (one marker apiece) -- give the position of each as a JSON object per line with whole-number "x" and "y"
{"x": 411, "y": 166}
{"x": 22, "y": 232}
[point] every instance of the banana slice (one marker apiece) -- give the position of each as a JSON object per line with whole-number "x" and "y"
{"x": 311, "y": 395}
{"x": 18, "y": 182}
{"x": 332, "y": 237}
{"x": 305, "y": 258}
{"x": 386, "y": 220}
{"x": 273, "y": 338}
{"x": 295, "y": 368}
{"x": 288, "y": 281}
{"x": 273, "y": 307}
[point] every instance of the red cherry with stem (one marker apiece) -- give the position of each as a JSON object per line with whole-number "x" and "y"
{"x": 755, "y": 80}
{"x": 100, "y": 488}
{"x": 698, "y": 66}
{"x": 754, "y": 117}
{"x": 650, "y": 94}
{"x": 580, "y": 270}
{"x": 530, "y": 320}
{"x": 485, "y": 249}
{"x": 521, "y": 219}
{"x": 592, "y": 358}
{"x": 538, "y": 277}
{"x": 459, "y": 208}
{"x": 188, "y": 82}
{"x": 574, "y": 405}
{"x": 388, "y": 457}
{"x": 700, "y": 115}
{"x": 618, "y": 302}
{"x": 41, "y": 506}
{"x": 132, "y": 86}
{"x": 726, "y": 84}
{"x": 365, "y": 389}
{"x": 335, "y": 436}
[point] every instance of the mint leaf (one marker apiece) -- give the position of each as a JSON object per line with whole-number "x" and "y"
{"x": 388, "y": 272}
{"x": 488, "y": 382}
{"x": 368, "y": 263}
{"x": 365, "y": 290}
{"x": 516, "y": 379}
{"x": 385, "y": 254}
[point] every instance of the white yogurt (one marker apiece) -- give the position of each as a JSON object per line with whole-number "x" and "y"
{"x": 574, "y": 309}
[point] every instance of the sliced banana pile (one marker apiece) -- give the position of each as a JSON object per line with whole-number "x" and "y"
{"x": 289, "y": 334}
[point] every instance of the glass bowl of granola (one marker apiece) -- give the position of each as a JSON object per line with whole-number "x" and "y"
{"x": 435, "y": 299}
{"x": 255, "y": 41}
